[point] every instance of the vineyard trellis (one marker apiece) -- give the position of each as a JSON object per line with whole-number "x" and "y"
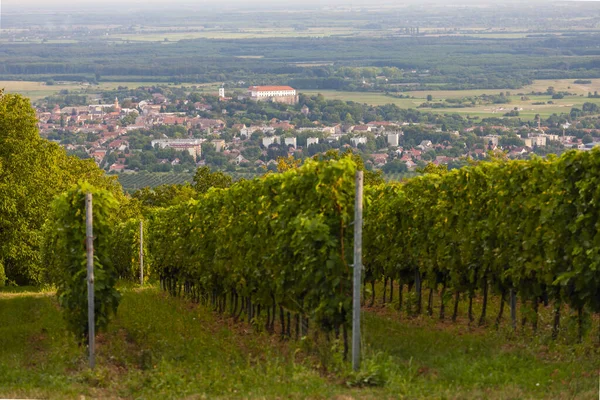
{"x": 280, "y": 245}
{"x": 65, "y": 257}
{"x": 526, "y": 228}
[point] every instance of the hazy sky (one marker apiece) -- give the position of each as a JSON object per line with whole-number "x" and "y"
{"x": 10, "y": 6}
{"x": 123, "y": 5}
{"x": 245, "y": 3}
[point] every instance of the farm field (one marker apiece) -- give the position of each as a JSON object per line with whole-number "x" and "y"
{"x": 38, "y": 90}
{"x": 162, "y": 347}
{"x": 134, "y": 181}
{"x": 527, "y": 109}
{"x": 229, "y": 34}
{"x": 176, "y": 33}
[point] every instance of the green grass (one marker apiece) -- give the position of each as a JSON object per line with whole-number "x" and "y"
{"x": 160, "y": 347}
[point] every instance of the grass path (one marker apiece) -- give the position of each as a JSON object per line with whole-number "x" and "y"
{"x": 159, "y": 347}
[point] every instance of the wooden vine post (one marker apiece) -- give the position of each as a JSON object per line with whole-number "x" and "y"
{"x": 90, "y": 277}
{"x": 358, "y": 221}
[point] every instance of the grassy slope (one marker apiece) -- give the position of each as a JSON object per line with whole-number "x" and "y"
{"x": 166, "y": 348}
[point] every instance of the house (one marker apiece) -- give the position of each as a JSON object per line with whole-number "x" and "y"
{"x": 312, "y": 140}
{"x": 393, "y": 139}
{"x": 202, "y": 107}
{"x": 158, "y": 98}
{"x": 240, "y": 159}
{"x": 425, "y": 145}
{"x": 491, "y": 140}
{"x": 269, "y": 140}
{"x": 290, "y": 141}
{"x": 416, "y": 153}
{"x": 518, "y": 151}
{"x": 247, "y": 132}
{"x": 334, "y": 137}
{"x": 361, "y": 128}
{"x": 331, "y": 130}
{"x": 535, "y": 141}
{"x": 286, "y": 126}
{"x": 120, "y": 145}
{"x": 410, "y": 165}
{"x": 219, "y": 144}
{"x": 358, "y": 140}
{"x": 98, "y": 155}
{"x": 116, "y": 167}
{"x": 150, "y": 109}
{"x": 380, "y": 159}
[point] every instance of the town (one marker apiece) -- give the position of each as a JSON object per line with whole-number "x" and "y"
{"x": 162, "y": 129}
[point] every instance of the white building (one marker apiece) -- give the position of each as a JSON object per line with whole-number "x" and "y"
{"x": 552, "y": 137}
{"x": 312, "y": 140}
{"x": 258, "y": 92}
{"x": 393, "y": 139}
{"x": 219, "y": 145}
{"x": 192, "y": 146}
{"x": 535, "y": 141}
{"x": 221, "y": 92}
{"x": 491, "y": 139}
{"x": 269, "y": 140}
{"x": 334, "y": 137}
{"x": 358, "y": 140}
{"x": 290, "y": 141}
{"x": 279, "y": 94}
{"x": 425, "y": 144}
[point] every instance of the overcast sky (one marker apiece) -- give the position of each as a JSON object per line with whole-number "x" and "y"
{"x": 10, "y": 6}
{"x": 245, "y": 3}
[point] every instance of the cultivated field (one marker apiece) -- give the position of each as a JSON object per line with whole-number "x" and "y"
{"x": 228, "y": 34}
{"x": 526, "y": 108}
{"x": 39, "y": 90}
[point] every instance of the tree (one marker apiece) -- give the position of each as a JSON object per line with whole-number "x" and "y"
{"x": 394, "y": 167}
{"x": 165, "y": 195}
{"x": 587, "y": 139}
{"x": 204, "y": 179}
{"x": 590, "y": 108}
{"x": 32, "y": 172}
{"x": 429, "y": 97}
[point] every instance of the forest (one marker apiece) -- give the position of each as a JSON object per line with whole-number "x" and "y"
{"x": 309, "y": 63}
